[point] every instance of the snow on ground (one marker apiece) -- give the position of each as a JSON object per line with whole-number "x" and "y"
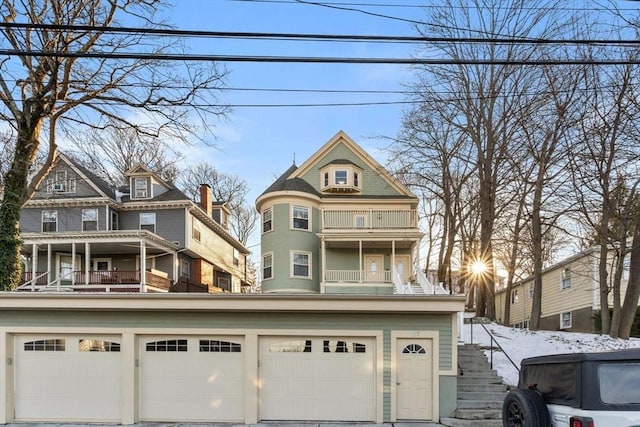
{"x": 523, "y": 343}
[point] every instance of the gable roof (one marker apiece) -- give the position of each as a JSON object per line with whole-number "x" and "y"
{"x": 98, "y": 184}
{"x": 367, "y": 160}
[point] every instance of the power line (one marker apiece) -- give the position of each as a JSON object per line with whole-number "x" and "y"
{"x": 314, "y": 37}
{"x": 311, "y": 59}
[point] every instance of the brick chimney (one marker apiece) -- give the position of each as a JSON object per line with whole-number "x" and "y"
{"x": 206, "y": 198}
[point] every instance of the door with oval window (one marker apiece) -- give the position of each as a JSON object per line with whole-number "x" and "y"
{"x": 374, "y": 268}
{"x": 414, "y": 379}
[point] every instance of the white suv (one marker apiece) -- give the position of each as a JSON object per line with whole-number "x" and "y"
{"x": 576, "y": 390}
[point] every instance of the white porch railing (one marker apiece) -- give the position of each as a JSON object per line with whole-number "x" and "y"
{"x": 399, "y": 287}
{"x": 357, "y": 276}
{"x": 369, "y": 219}
{"x": 427, "y": 286}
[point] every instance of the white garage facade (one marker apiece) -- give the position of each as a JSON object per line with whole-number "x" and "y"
{"x": 227, "y": 358}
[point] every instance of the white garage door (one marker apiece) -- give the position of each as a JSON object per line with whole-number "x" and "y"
{"x": 191, "y": 378}
{"x": 317, "y": 378}
{"x": 67, "y": 378}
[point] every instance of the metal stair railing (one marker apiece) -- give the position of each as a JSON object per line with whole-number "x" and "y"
{"x": 493, "y": 340}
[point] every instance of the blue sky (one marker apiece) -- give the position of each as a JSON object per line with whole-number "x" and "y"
{"x": 259, "y": 143}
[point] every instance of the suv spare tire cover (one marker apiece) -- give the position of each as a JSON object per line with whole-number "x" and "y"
{"x": 524, "y": 407}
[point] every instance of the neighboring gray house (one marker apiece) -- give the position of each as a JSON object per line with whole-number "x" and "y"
{"x": 81, "y": 234}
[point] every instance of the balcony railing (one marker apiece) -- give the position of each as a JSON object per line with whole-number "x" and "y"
{"x": 357, "y": 276}
{"x": 369, "y": 219}
{"x": 97, "y": 280}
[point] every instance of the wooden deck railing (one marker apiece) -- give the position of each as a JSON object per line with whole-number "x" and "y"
{"x": 100, "y": 280}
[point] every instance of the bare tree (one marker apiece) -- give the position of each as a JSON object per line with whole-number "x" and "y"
{"x": 115, "y": 150}
{"x": 488, "y": 101}
{"x": 227, "y": 188}
{"x": 49, "y": 81}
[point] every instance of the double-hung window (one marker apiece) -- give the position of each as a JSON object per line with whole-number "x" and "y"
{"x": 300, "y": 218}
{"x": 267, "y": 221}
{"x": 565, "y": 320}
{"x": 49, "y": 221}
{"x": 340, "y": 177}
{"x": 301, "y": 265}
{"x": 566, "y": 279}
{"x": 141, "y": 188}
{"x": 148, "y": 221}
{"x": 267, "y": 266}
{"x": 89, "y": 219}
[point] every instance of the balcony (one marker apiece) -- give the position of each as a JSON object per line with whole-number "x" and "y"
{"x": 95, "y": 281}
{"x": 369, "y": 219}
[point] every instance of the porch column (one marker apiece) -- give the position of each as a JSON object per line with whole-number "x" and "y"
{"x": 393, "y": 260}
{"x": 360, "y": 259}
{"x": 48, "y": 263}
{"x": 143, "y": 265}
{"x": 87, "y": 263}
{"x": 34, "y": 265}
{"x": 175, "y": 266}
{"x": 73, "y": 263}
{"x": 323, "y": 260}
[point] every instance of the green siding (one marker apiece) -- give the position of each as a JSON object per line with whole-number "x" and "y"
{"x": 448, "y": 395}
{"x": 372, "y": 182}
{"x": 281, "y": 241}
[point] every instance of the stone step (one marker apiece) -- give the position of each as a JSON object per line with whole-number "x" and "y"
{"x": 478, "y": 380}
{"x": 484, "y": 388}
{"x": 479, "y": 404}
{"x": 479, "y": 414}
{"x": 481, "y": 395}
{"x": 478, "y": 373}
{"x": 455, "y": 422}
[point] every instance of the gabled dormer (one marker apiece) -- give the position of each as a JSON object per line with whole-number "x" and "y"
{"x": 144, "y": 184}
{"x": 341, "y": 176}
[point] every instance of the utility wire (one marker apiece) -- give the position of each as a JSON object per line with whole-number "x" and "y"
{"x": 310, "y": 59}
{"x": 311, "y": 36}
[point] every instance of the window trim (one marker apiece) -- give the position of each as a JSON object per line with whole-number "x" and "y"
{"x": 147, "y": 187}
{"x": 262, "y": 217}
{"x": 351, "y": 174}
{"x": 97, "y": 216}
{"x": 514, "y": 296}
{"x": 262, "y": 267}
{"x": 570, "y": 323}
{"x": 292, "y": 218}
{"x": 151, "y": 214}
{"x": 42, "y": 221}
{"x": 292, "y": 274}
{"x": 565, "y": 279}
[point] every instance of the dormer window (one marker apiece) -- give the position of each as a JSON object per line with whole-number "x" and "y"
{"x": 341, "y": 177}
{"x": 141, "y": 188}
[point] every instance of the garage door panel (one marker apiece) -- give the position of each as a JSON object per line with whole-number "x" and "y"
{"x": 321, "y": 378}
{"x": 60, "y": 379}
{"x": 192, "y": 379}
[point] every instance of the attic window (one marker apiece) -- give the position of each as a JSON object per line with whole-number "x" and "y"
{"x": 141, "y": 188}
{"x": 342, "y": 178}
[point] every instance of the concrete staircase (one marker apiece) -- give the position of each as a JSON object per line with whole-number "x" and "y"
{"x": 480, "y": 391}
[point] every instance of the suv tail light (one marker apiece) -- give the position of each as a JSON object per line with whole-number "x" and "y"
{"x": 581, "y": 422}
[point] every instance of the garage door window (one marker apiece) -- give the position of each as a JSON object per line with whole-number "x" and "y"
{"x": 168, "y": 345}
{"x": 414, "y": 349}
{"x": 98, "y": 346}
{"x": 337, "y": 346}
{"x": 207, "y": 346}
{"x": 295, "y": 346}
{"x": 45, "y": 345}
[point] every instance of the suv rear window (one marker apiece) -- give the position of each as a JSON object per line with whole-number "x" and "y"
{"x": 619, "y": 382}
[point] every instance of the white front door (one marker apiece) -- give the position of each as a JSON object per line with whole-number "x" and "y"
{"x": 403, "y": 267}
{"x": 414, "y": 379}
{"x": 66, "y": 267}
{"x": 374, "y": 268}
